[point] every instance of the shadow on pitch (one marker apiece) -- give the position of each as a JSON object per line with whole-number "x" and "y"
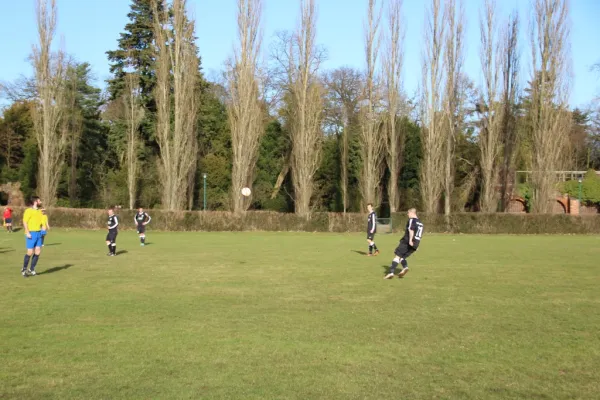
{"x": 122, "y": 252}
{"x": 362, "y": 253}
{"x": 53, "y": 244}
{"x": 16, "y": 229}
{"x": 6, "y": 250}
{"x": 56, "y": 269}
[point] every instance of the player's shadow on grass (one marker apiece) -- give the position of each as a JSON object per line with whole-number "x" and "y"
{"x": 122, "y": 252}
{"x": 362, "y": 253}
{"x": 6, "y": 250}
{"x": 53, "y": 244}
{"x": 16, "y": 229}
{"x": 56, "y": 269}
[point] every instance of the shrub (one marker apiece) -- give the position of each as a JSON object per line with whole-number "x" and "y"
{"x": 525, "y": 190}
{"x": 504, "y": 223}
{"x": 471, "y": 223}
{"x": 590, "y": 188}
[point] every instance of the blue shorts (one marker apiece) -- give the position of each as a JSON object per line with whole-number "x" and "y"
{"x": 8, "y": 220}
{"x": 35, "y": 241}
{"x": 43, "y": 233}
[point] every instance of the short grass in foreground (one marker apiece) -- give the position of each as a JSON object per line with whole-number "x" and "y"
{"x": 300, "y": 316}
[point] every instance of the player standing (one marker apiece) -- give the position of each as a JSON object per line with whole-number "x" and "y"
{"x": 111, "y": 237}
{"x": 7, "y": 215}
{"x": 371, "y": 230}
{"x": 408, "y": 244}
{"x": 32, "y": 224}
{"x": 141, "y": 220}
{"x": 45, "y": 225}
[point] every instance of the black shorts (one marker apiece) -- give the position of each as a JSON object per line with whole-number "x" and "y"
{"x": 404, "y": 250}
{"x": 112, "y": 236}
{"x": 8, "y": 221}
{"x": 141, "y": 228}
{"x": 370, "y": 236}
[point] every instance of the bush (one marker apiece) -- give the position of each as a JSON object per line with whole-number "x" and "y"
{"x": 471, "y": 223}
{"x": 504, "y": 223}
{"x": 590, "y": 188}
{"x": 525, "y": 190}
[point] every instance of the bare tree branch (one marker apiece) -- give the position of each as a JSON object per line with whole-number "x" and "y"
{"x": 432, "y": 135}
{"x": 453, "y": 98}
{"x": 49, "y": 106}
{"x": 510, "y": 93}
{"x": 300, "y": 59}
{"x": 246, "y": 114}
{"x": 176, "y": 101}
{"x": 134, "y": 115}
{"x": 344, "y": 95}
{"x": 549, "y": 114}
{"x": 72, "y": 125}
{"x": 371, "y": 138}
{"x": 392, "y": 65}
{"x": 491, "y": 107}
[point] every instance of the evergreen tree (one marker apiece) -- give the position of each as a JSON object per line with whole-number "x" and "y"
{"x": 274, "y": 147}
{"x": 214, "y": 146}
{"x": 92, "y": 147}
{"x": 409, "y": 176}
{"x": 135, "y": 51}
{"x": 18, "y": 147}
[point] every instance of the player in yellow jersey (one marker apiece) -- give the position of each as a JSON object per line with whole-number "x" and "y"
{"x": 32, "y": 224}
{"x": 45, "y": 225}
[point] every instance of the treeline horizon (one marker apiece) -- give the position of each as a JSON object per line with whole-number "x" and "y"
{"x": 304, "y": 139}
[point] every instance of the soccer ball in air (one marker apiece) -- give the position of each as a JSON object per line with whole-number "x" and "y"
{"x": 246, "y": 191}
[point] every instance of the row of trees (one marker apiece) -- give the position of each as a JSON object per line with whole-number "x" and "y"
{"x": 301, "y": 137}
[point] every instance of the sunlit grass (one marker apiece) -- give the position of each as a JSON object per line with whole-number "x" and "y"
{"x": 300, "y": 316}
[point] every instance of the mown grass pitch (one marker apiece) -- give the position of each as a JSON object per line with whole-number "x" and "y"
{"x": 300, "y": 316}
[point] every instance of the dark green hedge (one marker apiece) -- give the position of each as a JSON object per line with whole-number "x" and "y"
{"x": 205, "y": 221}
{"x": 325, "y": 222}
{"x": 502, "y": 223}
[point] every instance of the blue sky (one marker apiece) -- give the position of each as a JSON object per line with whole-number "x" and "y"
{"x": 88, "y": 28}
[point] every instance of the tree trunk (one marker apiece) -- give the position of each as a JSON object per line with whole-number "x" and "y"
{"x": 245, "y": 105}
{"x": 49, "y": 108}
{"x": 176, "y": 101}
{"x": 372, "y": 140}
{"x": 344, "y": 172}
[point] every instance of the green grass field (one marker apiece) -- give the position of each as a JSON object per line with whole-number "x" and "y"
{"x": 300, "y": 316}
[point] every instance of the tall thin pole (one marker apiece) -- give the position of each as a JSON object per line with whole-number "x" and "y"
{"x": 204, "y": 176}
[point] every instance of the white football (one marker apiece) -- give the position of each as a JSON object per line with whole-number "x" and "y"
{"x": 246, "y": 191}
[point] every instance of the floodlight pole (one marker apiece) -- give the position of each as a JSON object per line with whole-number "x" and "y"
{"x": 204, "y": 175}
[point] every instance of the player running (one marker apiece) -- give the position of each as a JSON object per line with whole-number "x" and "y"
{"x": 141, "y": 220}
{"x": 45, "y": 225}
{"x": 32, "y": 224}
{"x": 408, "y": 244}
{"x": 371, "y": 230}
{"x": 111, "y": 237}
{"x": 7, "y": 215}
